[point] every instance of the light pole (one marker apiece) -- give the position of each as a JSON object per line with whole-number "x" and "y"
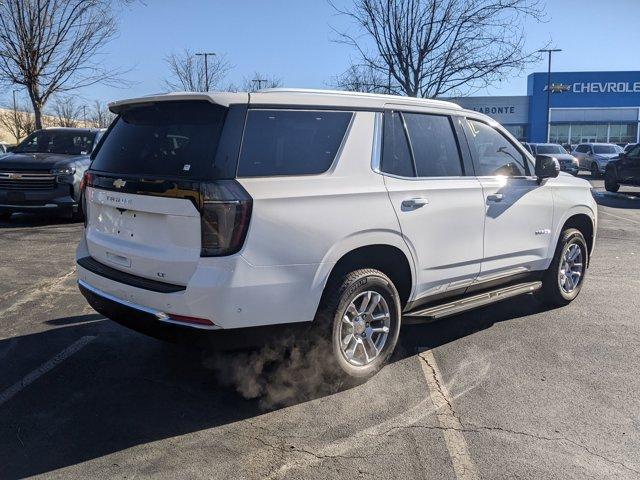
{"x": 549, "y": 51}
{"x": 15, "y": 105}
{"x": 84, "y": 116}
{"x": 259, "y": 82}
{"x": 206, "y": 67}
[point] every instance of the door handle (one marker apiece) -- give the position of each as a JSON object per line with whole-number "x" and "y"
{"x": 415, "y": 202}
{"x": 496, "y": 197}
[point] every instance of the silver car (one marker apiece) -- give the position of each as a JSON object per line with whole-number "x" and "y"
{"x": 568, "y": 163}
{"x": 594, "y": 157}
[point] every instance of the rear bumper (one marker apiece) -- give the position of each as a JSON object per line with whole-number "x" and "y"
{"x": 228, "y": 291}
{"x": 58, "y": 199}
{"x": 150, "y": 322}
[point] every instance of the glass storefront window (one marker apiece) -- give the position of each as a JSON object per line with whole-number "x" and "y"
{"x": 621, "y": 133}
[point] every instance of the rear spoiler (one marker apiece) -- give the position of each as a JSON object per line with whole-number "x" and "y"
{"x": 223, "y": 99}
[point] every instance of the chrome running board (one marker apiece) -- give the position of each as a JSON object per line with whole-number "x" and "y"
{"x": 475, "y": 301}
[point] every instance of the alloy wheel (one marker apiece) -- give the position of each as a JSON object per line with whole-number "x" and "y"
{"x": 365, "y": 328}
{"x": 571, "y": 268}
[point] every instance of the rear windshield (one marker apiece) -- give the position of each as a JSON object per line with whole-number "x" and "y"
{"x": 605, "y": 149}
{"x": 546, "y": 149}
{"x": 63, "y": 142}
{"x": 172, "y": 139}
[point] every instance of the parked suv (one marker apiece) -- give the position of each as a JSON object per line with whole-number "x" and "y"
{"x": 235, "y": 214}
{"x": 43, "y": 173}
{"x": 568, "y": 163}
{"x": 594, "y": 157}
{"x": 624, "y": 170}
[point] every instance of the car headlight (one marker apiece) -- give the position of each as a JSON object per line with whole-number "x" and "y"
{"x": 63, "y": 171}
{"x": 574, "y": 160}
{"x": 602, "y": 161}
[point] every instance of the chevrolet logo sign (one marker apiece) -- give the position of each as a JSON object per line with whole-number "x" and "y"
{"x": 119, "y": 183}
{"x": 15, "y": 176}
{"x": 558, "y": 88}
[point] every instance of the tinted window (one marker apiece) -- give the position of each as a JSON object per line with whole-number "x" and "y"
{"x": 174, "y": 139}
{"x": 435, "y": 149}
{"x": 64, "y": 142}
{"x": 550, "y": 149}
{"x": 493, "y": 153}
{"x": 396, "y": 156}
{"x": 605, "y": 149}
{"x": 634, "y": 152}
{"x": 289, "y": 142}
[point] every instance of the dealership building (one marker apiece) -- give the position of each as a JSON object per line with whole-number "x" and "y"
{"x": 584, "y": 107}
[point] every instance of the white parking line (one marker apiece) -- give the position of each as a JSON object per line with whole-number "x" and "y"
{"x": 619, "y": 217}
{"x": 463, "y": 465}
{"x": 44, "y": 368}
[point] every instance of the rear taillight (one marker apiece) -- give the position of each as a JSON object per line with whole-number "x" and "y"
{"x": 225, "y": 213}
{"x": 87, "y": 178}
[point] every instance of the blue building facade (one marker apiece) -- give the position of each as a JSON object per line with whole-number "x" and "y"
{"x": 584, "y": 107}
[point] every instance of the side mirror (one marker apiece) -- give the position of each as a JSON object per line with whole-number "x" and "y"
{"x": 546, "y": 167}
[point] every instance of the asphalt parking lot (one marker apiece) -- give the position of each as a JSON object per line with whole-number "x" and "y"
{"x": 509, "y": 391}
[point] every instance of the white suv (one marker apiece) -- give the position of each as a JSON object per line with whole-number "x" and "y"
{"x": 235, "y": 215}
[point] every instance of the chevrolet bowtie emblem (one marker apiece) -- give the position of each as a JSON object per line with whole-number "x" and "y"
{"x": 119, "y": 183}
{"x": 558, "y": 88}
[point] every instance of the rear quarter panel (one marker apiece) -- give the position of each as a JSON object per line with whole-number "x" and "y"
{"x": 316, "y": 219}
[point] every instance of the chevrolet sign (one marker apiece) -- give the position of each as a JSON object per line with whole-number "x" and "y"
{"x": 595, "y": 87}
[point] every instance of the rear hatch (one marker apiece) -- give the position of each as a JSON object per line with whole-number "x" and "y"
{"x": 159, "y": 193}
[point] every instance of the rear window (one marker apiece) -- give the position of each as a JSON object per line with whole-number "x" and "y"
{"x": 550, "y": 149}
{"x": 173, "y": 139}
{"x": 291, "y": 142}
{"x": 605, "y": 149}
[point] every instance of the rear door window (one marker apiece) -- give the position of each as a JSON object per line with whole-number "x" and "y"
{"x": 434, "y": 145}
{"x": 169, "y": 139}
{"x": 291, "y": 142}
{"x": 396, "y": 154}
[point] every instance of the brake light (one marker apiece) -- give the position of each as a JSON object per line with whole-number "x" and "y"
{"x": 225, "y": 214}
{"x": 87, "y": 181}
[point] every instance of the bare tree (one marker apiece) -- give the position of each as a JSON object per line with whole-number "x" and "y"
{"x": 19, "y": 122}
{"x": 53, "y": 46}
{"x": 258, "y": 81}
{"x": 66, "y": 112}
{"x": 187, "y": 71}
{"x": 437, "y": 47}
{"x": 363, "y": 78}
{"x": 101, "y": 116}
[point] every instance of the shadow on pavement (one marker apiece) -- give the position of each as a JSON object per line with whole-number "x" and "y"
{"x": 123, "y": 389}
{"x": 621, "y": 199}
{"x": 22, "y": 220}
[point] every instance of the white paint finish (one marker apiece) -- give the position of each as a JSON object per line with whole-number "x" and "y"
{"x": 510, "y": 240}
{"x": 46, "y": 367}
{"x": 445, "y": 234}
{"x": 144, "y": 235}
{"x": 323, "y": 215}
{"x": 450, "y": 425}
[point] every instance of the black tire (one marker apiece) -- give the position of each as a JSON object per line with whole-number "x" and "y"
{"x": 337, "y": 298}
{"x": 610, "y": 182}
{"x": 552, "y": 293}
{"x": 595, "y": 171}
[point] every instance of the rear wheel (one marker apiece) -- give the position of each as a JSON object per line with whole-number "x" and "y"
{"x": 360, "y": 316}
{"x": 563, "y": 280}
{"x": 595, "y": 171}
{"x": 610, "y": 182}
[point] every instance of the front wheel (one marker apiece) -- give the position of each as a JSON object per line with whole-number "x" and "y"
{"x": 563, "y": 280}
{"x": 610, "y": 182}
{"x": 360, "y": 315}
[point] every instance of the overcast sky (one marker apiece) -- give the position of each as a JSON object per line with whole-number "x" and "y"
{"x": 292, "y": 39}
